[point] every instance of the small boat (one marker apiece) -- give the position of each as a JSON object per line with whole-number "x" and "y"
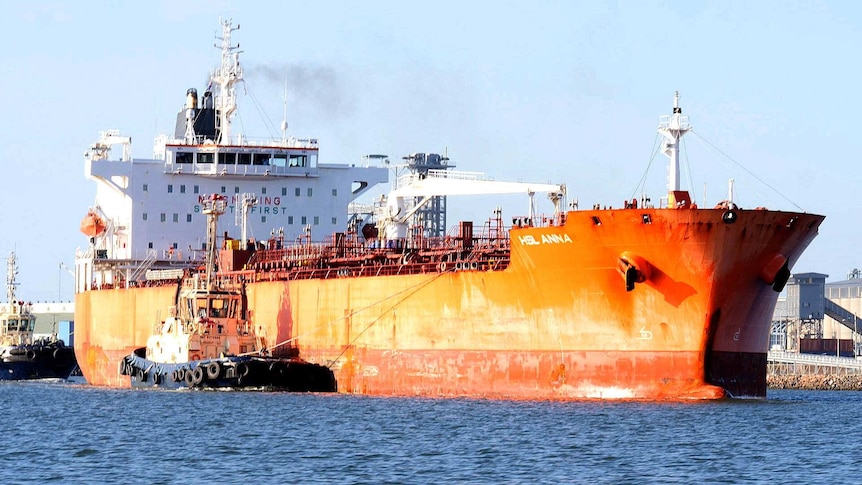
{"x": 22, "y": 356}
{"x": 209, "y": 340}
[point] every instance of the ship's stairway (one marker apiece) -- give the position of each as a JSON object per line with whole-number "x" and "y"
{"x": 146, "y": 264}
{"x": 841, "y": 315}
{"x": 783, "y": 362}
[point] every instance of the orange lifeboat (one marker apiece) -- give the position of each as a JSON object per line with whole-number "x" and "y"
{"x": 92, "y": 225}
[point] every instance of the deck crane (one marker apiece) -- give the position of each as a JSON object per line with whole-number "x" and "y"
{"x": 398, "y": 209}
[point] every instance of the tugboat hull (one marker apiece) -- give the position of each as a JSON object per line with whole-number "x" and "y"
{"x": 270, "y": 373}
{"x": 23, "y": 362}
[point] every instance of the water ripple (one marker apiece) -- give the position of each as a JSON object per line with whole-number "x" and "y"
{"x": 68, "y": 433}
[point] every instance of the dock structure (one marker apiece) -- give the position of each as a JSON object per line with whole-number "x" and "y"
{"x": 816, "y": 326}
{"x": 53, "y": 318}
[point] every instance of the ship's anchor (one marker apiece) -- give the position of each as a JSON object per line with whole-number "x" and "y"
{"x": 634, "y": 269}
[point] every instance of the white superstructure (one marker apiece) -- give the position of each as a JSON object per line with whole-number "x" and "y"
{"x": 151, "y": 208}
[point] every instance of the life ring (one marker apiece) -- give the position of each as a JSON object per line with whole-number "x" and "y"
{"x": 195, "y": 356}
{"x": 213, "y": 370}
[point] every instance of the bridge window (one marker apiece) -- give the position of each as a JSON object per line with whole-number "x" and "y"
{"x": 244, "y": 159}
{"x": 261, "y": 159}
{"x": 298, "y": 161}
{"x": 218, "y": 309}
{"x": 184, "y": 157}
{"x": 206, "y": 157}
{"x": 279, "y": 160}
{"x": 201, "y": 305}
{"x": 228, "y": 158}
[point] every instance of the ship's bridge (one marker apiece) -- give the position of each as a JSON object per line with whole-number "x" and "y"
{"x": 292, "y": 158}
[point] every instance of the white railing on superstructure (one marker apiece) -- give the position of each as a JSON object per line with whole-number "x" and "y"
{"x": 441, "y": 174}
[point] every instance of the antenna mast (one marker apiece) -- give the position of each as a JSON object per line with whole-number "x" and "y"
{"x": 11, "y": 271}
{"x": 225, "y": 77}
{"x": 213, "y": 207}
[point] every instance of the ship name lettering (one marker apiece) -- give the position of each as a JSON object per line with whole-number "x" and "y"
{"x": 556, "y": 238}
{"x": 530, "y": 240}
{"x": 265, "y": 200}
{"x": 274, "y": 210}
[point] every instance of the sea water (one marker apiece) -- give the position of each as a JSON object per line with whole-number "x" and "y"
{"x": 73, "y": 433}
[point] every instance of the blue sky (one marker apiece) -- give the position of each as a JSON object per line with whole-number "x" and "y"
{"x": 547, "y": 91}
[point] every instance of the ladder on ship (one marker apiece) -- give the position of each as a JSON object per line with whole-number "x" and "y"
{"x": 142, "y": 268}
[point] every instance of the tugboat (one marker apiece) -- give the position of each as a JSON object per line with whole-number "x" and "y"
{"x": 209, "y": 340}
{"x": 21, "y": 356}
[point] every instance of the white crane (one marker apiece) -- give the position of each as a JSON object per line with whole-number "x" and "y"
{"x": 449, "y": 182}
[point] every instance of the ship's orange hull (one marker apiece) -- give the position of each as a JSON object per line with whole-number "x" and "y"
{"x": 558, "y": 322}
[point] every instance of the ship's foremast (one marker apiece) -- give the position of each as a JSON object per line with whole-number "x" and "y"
{"x": 673, "y": 127}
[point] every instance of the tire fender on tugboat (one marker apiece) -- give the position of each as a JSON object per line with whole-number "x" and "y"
{"x": 213, "y": 370}
{"x": 198, "y": 375}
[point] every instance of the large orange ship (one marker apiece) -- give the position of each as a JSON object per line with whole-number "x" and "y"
{"x": 646, "y": 302}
